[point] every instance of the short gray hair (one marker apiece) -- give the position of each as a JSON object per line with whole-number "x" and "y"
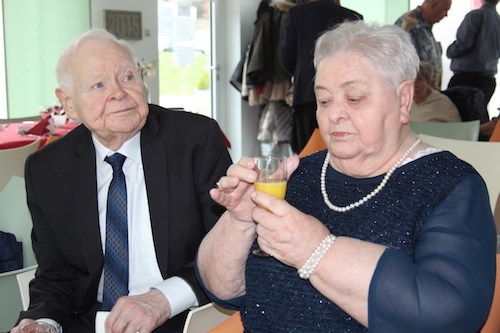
{"x": 388, "y": 47}
{"x": 63, "y": 66}
{"x": 426, "y": 70}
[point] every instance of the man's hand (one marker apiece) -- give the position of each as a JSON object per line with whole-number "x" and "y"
{"x": 141, "y": 313}
{"x": 27, "y": 321}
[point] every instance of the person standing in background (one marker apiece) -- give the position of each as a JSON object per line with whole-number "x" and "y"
{"x": 418, "y": 22}
{"x": 475, "y": 52}
{"x": 306, "y": 22}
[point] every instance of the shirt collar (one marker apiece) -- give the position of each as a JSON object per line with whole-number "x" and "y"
{"x": 130, "y": 148}
{"x": 490, "y": 6}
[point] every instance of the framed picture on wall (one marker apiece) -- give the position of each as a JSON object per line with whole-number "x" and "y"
{"x": 476, "y": 4}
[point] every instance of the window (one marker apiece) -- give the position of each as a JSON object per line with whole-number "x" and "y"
{"x": 35, "y": 33}
{"x": 185, "y": 55}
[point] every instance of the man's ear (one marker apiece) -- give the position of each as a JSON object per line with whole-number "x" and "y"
{"x": 405, "y": 94}
{"x": 64, "y": 98}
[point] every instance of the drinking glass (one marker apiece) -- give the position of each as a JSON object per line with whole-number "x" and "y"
{"x": 36, "y": 328}
{"x": 272, "y": 178}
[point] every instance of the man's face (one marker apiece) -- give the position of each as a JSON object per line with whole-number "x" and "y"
{"x": 439, "y": 10}
{"x": 107, "y": 94}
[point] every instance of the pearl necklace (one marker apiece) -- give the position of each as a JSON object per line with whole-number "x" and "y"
{"x": 366, "y": 197}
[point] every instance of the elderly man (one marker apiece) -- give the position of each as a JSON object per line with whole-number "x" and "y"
{"x": 121, "y": 203}
{"x": 418, "y": 22}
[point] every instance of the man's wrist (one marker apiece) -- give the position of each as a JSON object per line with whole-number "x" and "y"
{"x": 179, "y": 294}
{"x": 50, "y": 322}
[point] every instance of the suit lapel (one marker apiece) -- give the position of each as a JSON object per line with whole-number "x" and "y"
{"x": 87, "y": 215}
{"x": 154, "y": 159}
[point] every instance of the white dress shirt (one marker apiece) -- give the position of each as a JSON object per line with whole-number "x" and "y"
{"x": 144, "y": 272}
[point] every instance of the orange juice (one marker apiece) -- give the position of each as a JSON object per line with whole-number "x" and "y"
{"x": 274, "y": 187}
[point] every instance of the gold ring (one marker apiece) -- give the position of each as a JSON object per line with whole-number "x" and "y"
{"x": 218, "y": 186}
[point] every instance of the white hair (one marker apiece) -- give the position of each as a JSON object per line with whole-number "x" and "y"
{"x": 63, "y": 66}
{"x": 388, "y": 47}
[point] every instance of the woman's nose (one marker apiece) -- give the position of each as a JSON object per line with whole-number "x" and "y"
{"x": 337, "y": 112}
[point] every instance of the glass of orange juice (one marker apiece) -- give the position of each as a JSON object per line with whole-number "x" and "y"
{"x": 272, "y": 179}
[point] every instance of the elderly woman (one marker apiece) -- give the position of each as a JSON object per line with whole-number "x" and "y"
{"x": 379, "y": 231}
{"x": 428, "y": 103}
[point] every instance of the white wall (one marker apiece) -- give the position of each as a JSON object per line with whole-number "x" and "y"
{"x": 234, "y": 25}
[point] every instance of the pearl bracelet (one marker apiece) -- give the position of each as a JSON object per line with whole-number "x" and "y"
{"x": 313, "y": 261}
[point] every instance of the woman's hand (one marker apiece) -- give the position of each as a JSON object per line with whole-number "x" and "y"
{"x": 235, "y": 188}
{"x": 285, "y": 232}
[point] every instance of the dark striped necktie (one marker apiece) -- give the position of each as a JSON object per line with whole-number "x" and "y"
{"x": 116, "y": 251}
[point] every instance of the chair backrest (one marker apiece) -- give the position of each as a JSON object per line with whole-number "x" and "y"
{"x": 492, "y": 324}
{"x": 10, "y": 299}
{"x": 13, "y": 160}
{"x": 23, "y": 281}
{"x": 483, "y": 156}
{"x": 19, "y": 120}
{"x": 467, "y": 130}
{"x": 204, "y": 318}
{"x": 314, "y": 144}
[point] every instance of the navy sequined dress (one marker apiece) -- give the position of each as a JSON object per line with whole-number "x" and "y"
{"x": 437, "y": 275}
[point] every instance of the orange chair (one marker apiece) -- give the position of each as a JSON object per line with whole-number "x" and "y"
{"x": 495, "y": 136}
{"x": 496, "y": 216}
{"x": 50, "y": 139}
{"x": 492, "y": 324}
{"x": 314, "y": 144}
{"x": 231, "y": 325}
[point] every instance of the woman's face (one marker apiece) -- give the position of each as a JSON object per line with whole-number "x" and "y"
{"x": 360, "y": 116}
{"x": 422, "y": 86}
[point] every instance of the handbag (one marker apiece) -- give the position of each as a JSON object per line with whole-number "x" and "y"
{"x": 11, "y": 252}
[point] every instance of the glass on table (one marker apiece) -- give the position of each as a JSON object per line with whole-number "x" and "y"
{"x": 271, "y": 179}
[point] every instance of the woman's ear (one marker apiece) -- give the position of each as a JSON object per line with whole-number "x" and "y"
{"x": 405, "y": 95}
{"x": 64, "y": 98}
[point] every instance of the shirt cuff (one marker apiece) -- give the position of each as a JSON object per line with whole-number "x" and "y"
{"x": 179, "y": 294}
{"x": 50, "y": 322}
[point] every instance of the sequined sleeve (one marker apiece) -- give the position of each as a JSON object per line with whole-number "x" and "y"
{"x": 449, "y": 286}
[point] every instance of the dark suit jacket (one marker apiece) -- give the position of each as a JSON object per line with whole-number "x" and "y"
{"x": 183, "y": 156}
{"x": 305, "y": 23}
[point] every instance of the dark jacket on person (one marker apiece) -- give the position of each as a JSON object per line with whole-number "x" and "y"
{"x": 306, "y": 22}
{"x": 183, "y": 156}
